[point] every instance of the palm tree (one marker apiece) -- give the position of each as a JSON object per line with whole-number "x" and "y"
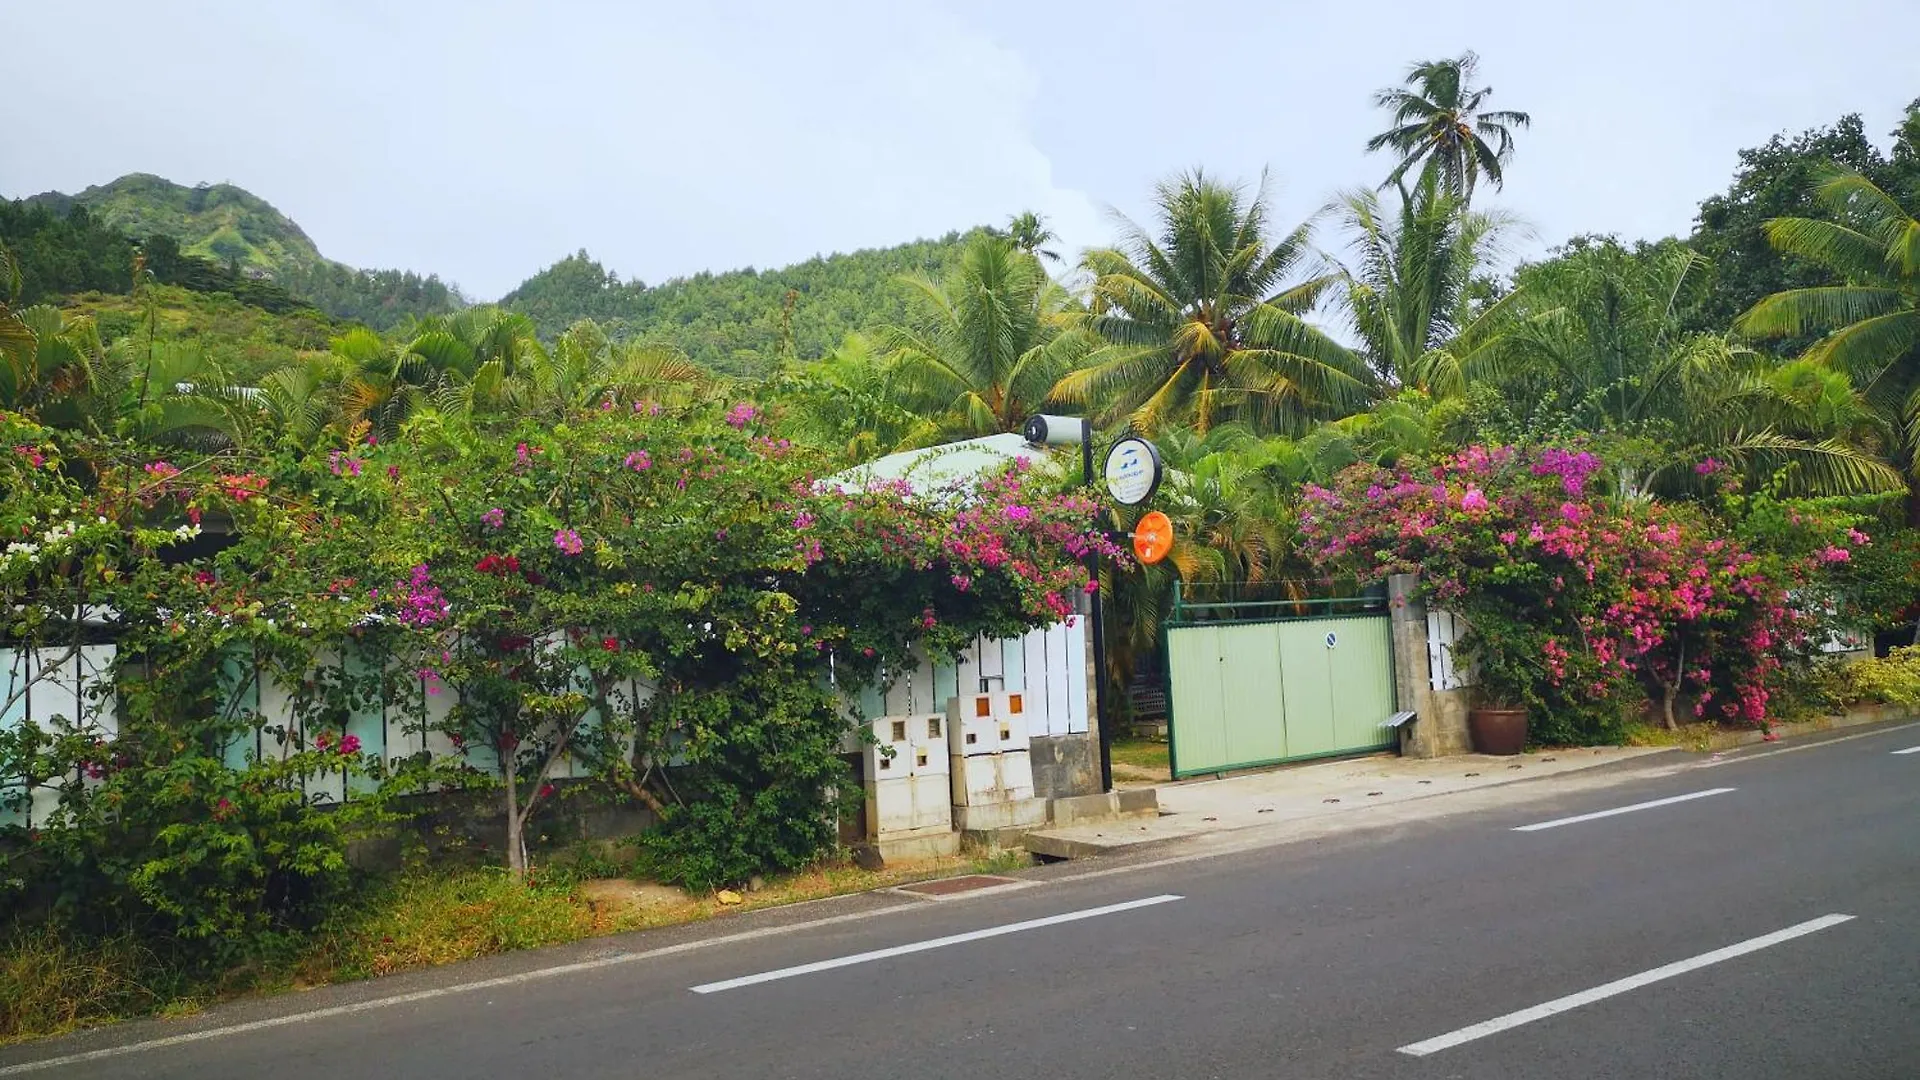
{"x": 1437, "y": 118}
{"x": 988, "y": 343}
{"x": 1408, "y": 286}
{"x": 1871, "y": 320}
{"x": 586, "y": 370}
{"x": 1030, "y": 234}
{"x": 1204, "y": 322}
{"x": 844, "y": 402}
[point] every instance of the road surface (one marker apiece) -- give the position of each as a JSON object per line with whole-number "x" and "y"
{"x": 1751, "y": 919}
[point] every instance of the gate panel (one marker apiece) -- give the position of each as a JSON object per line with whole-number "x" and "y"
{"x": 1361, "y": 667}
{"x": 1250, "y": 692}
{"x": 1307, "y": 688}
{"x": 1198, "y": 733}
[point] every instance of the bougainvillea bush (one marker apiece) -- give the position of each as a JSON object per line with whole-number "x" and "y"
{"x": 131, "y": 814}
{"x": 664, "y": 599}
{"x": 1579, "y": 603}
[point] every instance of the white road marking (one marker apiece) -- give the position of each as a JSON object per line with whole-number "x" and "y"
{"x": 1618, "y": 986}
{"x": 1764, "y": 751}
{"x": 1909, "y": 750}
{"x": 935, "y": 943}
{"x": 441, "y": 991}
{"x": 1557, "y": 822}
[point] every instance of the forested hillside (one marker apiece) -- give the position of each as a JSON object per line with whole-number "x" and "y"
{"x": 235, "y": 230}
{"x": 220, "y": 222}
{"x": 738, "y": 321}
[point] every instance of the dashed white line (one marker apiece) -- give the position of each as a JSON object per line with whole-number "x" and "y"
{"x": 1618, "y": 986}
{"x": 1909, "y": 750}
{"x": 934, "y": 943}
{"x": 1557, "y": 822}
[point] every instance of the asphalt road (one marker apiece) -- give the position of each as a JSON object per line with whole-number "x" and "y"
{"x": 1688, "y": 939}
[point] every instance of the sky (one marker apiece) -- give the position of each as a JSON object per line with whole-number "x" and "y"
{"x": 484, "y": 140}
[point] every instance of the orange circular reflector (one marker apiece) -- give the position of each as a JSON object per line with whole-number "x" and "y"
{"x": 1152, "y": 537}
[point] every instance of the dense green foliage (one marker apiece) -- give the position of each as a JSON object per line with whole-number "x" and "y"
{"x": 742, "y": 322}
{"x": 216, "y": 238}
{"x": 1776, "y": 180}
{"x": 218, "y": 222}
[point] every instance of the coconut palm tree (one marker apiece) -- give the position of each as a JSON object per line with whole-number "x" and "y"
{"x": 1030, "y": 234}
{"x": 987, "y": 344}
{"x": 1437, "y": 119}
{"x": 1871, "y": 319}
{"x": 1204, "y": 321}
{"x": 1407, "y": 285}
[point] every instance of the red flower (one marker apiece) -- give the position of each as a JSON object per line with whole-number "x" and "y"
{"x": 546, "y": 790}
{"x": 610, "y": 644}
{"x": 222, "y": 810}
{"x": 350, "y": 744}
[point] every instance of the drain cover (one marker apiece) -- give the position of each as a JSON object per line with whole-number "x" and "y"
{"x": 949, "y": 886}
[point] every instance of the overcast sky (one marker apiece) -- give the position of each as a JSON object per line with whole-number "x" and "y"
{"x": 484, "y": 140}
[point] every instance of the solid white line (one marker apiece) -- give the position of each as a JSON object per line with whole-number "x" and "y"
{"x": 1557, "y": 822}
{"x": 1761, "y": 751}
{"x": 923, "y": 946}
{"x": 1619, "y": 986}
{"x": 1909, "y": 750}
{"x": 442, "y": 991}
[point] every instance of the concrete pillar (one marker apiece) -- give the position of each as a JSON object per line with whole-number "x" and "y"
{"x": 1440, "y": 724}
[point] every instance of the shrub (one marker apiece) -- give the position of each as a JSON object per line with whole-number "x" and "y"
{"x": 1893, "y": 679}
{"x": 1577, "y": 602}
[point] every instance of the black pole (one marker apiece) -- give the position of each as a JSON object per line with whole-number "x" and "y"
{"x": 1099, "y": 625}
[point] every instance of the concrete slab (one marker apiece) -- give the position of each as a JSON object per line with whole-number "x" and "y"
{"x": 1323, "y": 789}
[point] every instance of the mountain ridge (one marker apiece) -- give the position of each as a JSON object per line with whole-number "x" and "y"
{"x": 742, "y": 321}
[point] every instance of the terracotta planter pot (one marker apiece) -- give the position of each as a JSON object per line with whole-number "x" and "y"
{"x": 1498, "y": 731}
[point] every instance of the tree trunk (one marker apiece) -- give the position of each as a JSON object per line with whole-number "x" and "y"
{"x": 516, "y": 828}
{"x": 1666, "y": 704}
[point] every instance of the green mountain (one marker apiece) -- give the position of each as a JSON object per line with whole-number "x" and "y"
{"x": 232, "y": 227}
{"x": 222, "y": 238}
{"x": 220, "y": 222}
{"x": 741, "y": 322}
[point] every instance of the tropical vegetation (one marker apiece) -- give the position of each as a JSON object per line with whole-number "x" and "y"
{"x": 1657, "y": 477}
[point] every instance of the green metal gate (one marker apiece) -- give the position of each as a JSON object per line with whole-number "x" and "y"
{"x": 1272, "y": 688}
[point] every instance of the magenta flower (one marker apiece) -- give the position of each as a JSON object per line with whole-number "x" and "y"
{"x": 159, "y": 470}
{"x": 1709, "y": 467}
{"x": 741, "y": 415}
{"x": 568, "y": 541}
{"x": 350, "y": 745}
{"x": 494, "y": 518}
{"x": 1474, "y": 500}
{"x": 638, "y": 461}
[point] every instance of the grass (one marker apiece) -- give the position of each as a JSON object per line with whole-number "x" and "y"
{"x": 1147, "y": 755}
{"x": 50, "y": 983}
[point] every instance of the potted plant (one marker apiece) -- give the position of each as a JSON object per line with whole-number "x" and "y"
{"x": 1507, "y": 663}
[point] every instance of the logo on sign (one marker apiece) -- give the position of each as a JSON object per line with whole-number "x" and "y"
{"x": 1331, "y": 640}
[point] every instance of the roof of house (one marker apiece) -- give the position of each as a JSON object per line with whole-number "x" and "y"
{"x": 939, "y": 466}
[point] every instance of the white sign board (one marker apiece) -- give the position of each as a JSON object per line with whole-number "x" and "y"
{"x": 1133, "y": 471}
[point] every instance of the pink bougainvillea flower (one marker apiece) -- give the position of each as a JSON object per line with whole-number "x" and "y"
{"x": 1474, "y": 500}
{"x": 350, "y": 744}
{"x": 568, "y": 541}
{"x": 494, "y": 518}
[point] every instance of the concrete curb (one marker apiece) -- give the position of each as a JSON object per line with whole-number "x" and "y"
{"x": 1859, "y": 716}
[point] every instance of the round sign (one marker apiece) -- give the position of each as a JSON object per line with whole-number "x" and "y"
{"x": 1332, "y": 640}
{"x": 1133, "y": 470}
{"x": 1152, "y": 537}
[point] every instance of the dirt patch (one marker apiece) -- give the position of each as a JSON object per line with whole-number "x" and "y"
{"x": 614, "y": 895}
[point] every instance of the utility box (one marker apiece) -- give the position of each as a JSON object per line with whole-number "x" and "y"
{"x": 908, "y": 793}
{"x": 987, "y": 724}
